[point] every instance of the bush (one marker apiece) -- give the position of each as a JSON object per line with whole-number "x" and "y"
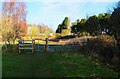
{"x": 57, "y": 35}
{"x": 65, "y": 32}
{"x": 105, "y": 48}
{"x": 10, "y": 48}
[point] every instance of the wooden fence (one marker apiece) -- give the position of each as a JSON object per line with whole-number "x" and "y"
{"x": 36, "y": 46}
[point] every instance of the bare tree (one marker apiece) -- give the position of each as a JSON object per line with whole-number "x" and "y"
{"x": 14, "y": 20}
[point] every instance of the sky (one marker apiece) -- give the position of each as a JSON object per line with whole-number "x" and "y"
{"x": 53, "y": 12}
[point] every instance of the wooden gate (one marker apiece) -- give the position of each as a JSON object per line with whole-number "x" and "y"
{"x": 30, "y": 45}
{"x": 25, "y": 45}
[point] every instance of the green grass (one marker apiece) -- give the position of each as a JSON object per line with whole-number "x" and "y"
{"x": 53, "y": 65}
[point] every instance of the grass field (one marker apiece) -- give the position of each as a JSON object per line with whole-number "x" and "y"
{"x": 53, "y": 65}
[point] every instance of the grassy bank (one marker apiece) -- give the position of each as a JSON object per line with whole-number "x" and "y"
{"x": 53, "y": 65}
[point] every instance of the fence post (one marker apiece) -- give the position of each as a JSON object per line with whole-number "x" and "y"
{"x": 46, "y": 45}
{"x": 33, "y": 45}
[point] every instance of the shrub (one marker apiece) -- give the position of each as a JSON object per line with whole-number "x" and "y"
{"x": 12, "y": 48}
{"x": 57, "y": 35}
{"x": 105, "y": 48}
{"x": 65, "y": 32}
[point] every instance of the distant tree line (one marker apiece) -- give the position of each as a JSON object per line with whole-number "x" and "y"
{"x": 94, "y": 25}
{"x": 40, "y": 29}
{"x": 104, "y": 23}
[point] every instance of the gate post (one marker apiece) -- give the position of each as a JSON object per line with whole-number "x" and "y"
{"x": 46, "y": 45}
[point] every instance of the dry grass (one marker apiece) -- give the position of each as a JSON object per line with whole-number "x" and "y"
{"x": 90, "y": 37}
{"x": 77, "y": 41}
{"x": 107, "y": 40}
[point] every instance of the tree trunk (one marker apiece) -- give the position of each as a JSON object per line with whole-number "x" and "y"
{"x": 8, "y": 40}
{"x": 5, "y": 44}
{"x": 14, "y": 38}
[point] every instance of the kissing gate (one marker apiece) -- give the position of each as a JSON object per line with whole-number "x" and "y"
{"x": 31, "y": 44}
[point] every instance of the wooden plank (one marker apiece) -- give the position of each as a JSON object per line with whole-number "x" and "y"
{"x": 25, "y": 48}
{"x": 28, "y": 41}
{"x": 25, "y": 44}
